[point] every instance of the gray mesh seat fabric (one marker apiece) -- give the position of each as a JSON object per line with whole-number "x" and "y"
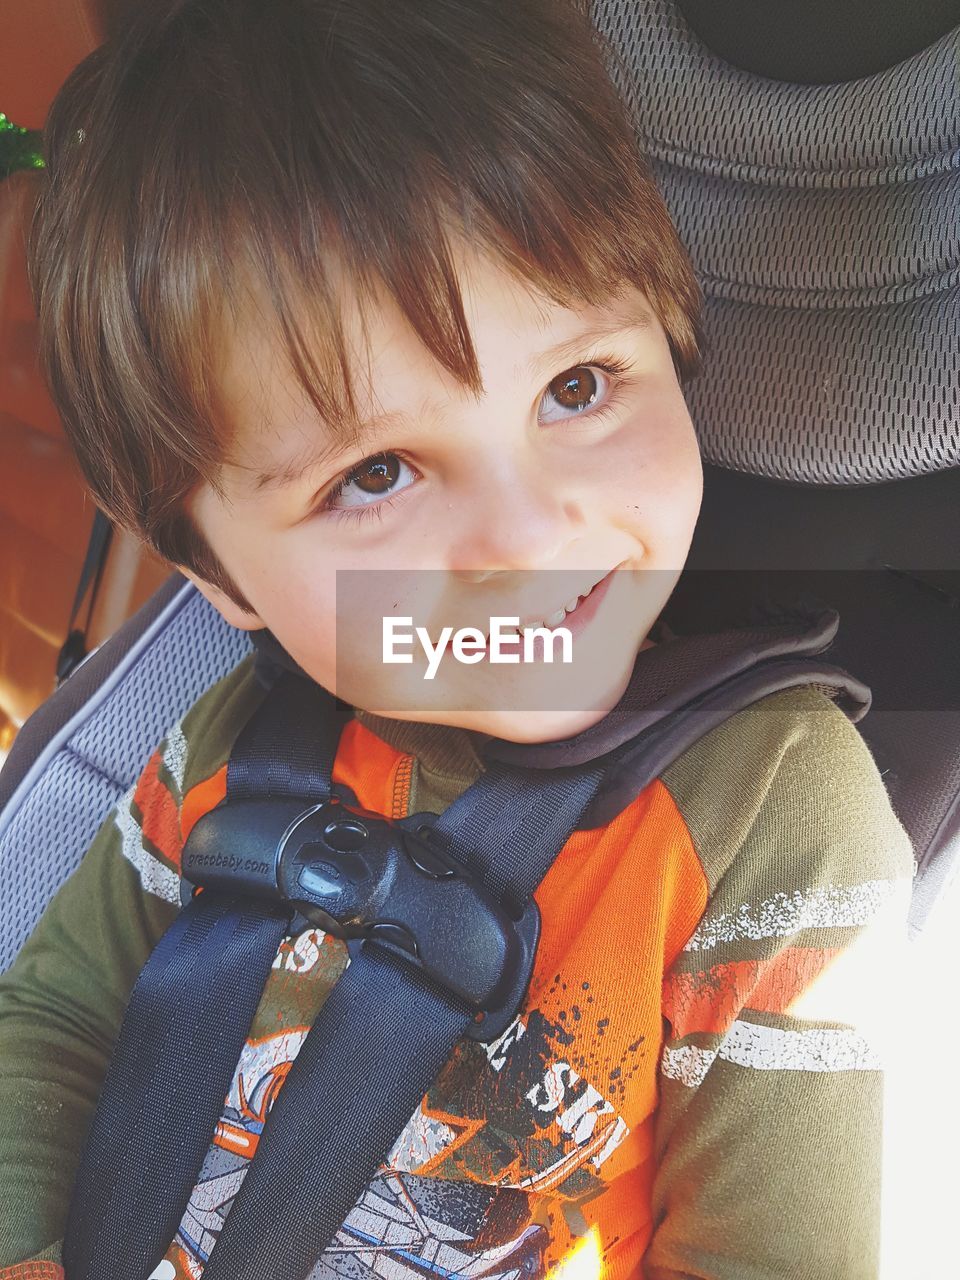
{"x": 87, "y": 745}
{"x": 822, "y": 221}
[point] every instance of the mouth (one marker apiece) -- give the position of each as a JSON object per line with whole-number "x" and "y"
{"x": 558, "y": 616}
{"x": 576, "y": 610}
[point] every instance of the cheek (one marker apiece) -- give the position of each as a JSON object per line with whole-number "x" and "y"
{"x": 657, "y": 466}
{"x": 658, "y": 485}
{"x": 683, "y": 467}
{"x": 295, "y": 594}
{"x": 332, "y": 623}
{"x": 307, "y": 630}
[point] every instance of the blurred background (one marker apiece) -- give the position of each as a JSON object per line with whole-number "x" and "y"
{"x": 46, "y": 517}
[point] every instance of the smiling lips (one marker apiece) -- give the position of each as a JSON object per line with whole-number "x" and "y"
{"x": 551, "y": 620}
{"x": 556, "y": 618}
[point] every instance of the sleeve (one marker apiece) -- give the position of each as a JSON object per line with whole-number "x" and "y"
{"x": 61, "y": 1005}
{"x": 783, "y": 1005}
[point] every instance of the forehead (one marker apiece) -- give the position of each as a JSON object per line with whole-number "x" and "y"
{"x": 518, "y": 333}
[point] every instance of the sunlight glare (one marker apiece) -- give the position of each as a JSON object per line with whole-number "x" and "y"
{"x": 584, "y": 1262}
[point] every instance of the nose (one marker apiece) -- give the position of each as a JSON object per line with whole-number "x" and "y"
{"x": 513, "y": 519}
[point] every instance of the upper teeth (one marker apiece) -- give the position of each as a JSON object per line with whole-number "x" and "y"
{"x": 554, "y": 619}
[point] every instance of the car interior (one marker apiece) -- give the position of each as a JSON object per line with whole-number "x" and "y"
{"x": 810, "y": 156}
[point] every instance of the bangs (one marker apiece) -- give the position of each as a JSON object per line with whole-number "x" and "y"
{"x": 354, "y": 176}
{"x": 411, "y": 258}
{"x": 320, "y": 151}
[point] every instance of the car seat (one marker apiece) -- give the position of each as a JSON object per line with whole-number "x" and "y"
{"x": 822, "y": 222}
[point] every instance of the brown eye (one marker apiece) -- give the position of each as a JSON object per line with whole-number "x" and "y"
{"x": 574, "y": 388}
{"x": 370, "y": 487}
{"x": 376, "y": 475}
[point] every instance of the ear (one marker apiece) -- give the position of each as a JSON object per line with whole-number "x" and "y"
{"x": 227, "y": 608}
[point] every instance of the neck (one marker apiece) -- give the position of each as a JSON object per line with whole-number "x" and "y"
{"x": 440, "y": 748}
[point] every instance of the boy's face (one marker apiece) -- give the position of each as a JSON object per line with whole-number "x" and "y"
{"x": 457, "y": 508}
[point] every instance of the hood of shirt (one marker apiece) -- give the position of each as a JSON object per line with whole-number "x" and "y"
{"x": 679, "y": 689}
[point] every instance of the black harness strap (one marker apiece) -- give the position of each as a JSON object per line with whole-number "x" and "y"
{"x": 188, "y": 1017}
{"x": 376, "y": 1046}
{"x": 288, "y": 747}
{"x": 504, "y": 830}
{"x": 181, "y": 1038}
{"x": 380, "y": 1041}
{"x": 411, "y": 991}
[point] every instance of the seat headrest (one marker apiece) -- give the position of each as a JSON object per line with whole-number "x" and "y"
{"x": 819, "y": 41}
{"x": 823, "y": 224}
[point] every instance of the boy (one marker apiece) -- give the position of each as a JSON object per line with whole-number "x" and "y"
{"x": 330, "y": 289}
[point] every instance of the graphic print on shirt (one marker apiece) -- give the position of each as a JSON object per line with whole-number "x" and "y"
{"x": 405, "y": 1227}
{"x": 465, "y": 1190}
{"x": 262, "y": 1069}
{"x": 554, "y": 1141}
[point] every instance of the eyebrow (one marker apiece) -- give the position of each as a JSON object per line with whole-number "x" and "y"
{"x": 618, "y": 323}
{"x": 283, "y": 474}
{"x": 370, "y": 430}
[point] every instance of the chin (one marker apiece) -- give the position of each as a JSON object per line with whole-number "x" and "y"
{"x": 532, "y": 726}
{"x": 540, "y": 726}
{"x": 524, "y": 712}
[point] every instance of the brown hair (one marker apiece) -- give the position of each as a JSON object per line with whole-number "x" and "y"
{"x": 212, "y": 138}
